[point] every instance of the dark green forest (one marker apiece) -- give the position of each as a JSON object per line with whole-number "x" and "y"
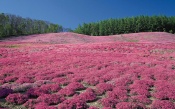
{"x": 128, "y": 25}
{"x": 12, "y": 25}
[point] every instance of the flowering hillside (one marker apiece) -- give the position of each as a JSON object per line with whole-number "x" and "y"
{"x": 74, "y": 38}
{"x": 116, "y": 74}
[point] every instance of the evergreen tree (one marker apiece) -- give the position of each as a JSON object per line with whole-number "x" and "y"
{"x": 128, "y": 25}
{"x": 11, "y": 25}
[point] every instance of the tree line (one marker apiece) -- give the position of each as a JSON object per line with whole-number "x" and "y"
{"x": 128, "y": 25}
{"x": 12, "y": 25}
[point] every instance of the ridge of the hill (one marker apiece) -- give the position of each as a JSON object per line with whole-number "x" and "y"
{"x": 74, "y": 38}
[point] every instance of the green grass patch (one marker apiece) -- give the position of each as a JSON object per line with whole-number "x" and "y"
{"x": 10, "y": 46}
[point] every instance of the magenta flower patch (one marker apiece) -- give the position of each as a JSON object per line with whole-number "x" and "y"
{"x": 17, "y": 98}
{"x": 103, "y": 87}
{"x": 50, "y": 99}
{"x": 50, "y": 88}
{"x": 165, "y": 104}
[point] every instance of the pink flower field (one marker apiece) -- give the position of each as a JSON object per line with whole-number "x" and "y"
{"x": 74, "y": 71}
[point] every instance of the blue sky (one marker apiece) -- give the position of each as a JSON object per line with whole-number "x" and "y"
{"x": 70, "y": 13}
